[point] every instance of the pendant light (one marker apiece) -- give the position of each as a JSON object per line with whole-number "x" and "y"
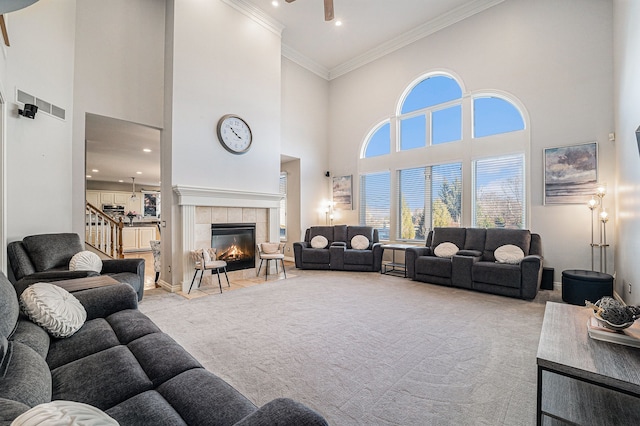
{"x": 133, "y": 191}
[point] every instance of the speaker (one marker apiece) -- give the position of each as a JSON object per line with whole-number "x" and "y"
{"x": 547, "y": 279}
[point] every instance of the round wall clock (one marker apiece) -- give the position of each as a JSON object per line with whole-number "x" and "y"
{"x": 234, "y": 134}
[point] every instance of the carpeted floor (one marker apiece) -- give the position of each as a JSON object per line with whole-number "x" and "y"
{"x": 367, "y": 349}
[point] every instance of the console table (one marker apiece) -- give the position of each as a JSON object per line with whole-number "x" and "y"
{"x": 581, "y": 380}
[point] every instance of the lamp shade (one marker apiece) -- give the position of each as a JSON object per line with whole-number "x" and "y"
{"x": 7, "y": 6}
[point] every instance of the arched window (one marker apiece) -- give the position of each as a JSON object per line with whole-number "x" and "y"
{"x": 493, "y": 115}
{"x": 461, "y": 171}
{"x": 379, "y": 141}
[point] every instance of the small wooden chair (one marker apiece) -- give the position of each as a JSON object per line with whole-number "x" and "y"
{"x": 271, "y": 251}
{"x": 206, "y": 260}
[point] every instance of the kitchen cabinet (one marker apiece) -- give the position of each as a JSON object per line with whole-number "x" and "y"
{"x": 107, "y": 198}
{"x": 93, "y": 198}
{"x": 121, "y": 198}
{"x": 136, "y": 238}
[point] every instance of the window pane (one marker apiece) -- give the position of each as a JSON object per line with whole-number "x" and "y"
{"x": 499, "y": 192}
{"x": 283, "y": 206}
{"x": 380, "y": 142}
{"x": 412, "y": 204}
{"x": 375, "y": 202}
{"x": 432, "y": 91}
{"x": 446, "y": 194}
{"x": 492, "y": 116}
{"x": 447, "y": 125}
{"x": 413, "y": 132}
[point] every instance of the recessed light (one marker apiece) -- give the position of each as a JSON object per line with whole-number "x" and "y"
{"x": 89, "y": 176}
{"x": 138, "y": 173}
{"x": 120, "y": 181}
{"x": 146, "y": 150}
{"x": 275, "y": 3}
{"x": 95, "y": 170}
{"x": 338, "y": 23}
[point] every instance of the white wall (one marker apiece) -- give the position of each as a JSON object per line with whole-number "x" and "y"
{"x": 305, "y": 109}
{"x": 553, "y": 55}
{"x": 38, "y": 152}
{"x": 119, "y": 73}
{"x": 627, "y": 97}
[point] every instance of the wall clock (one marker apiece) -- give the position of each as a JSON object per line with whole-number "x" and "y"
{"x": 234, "y": 134}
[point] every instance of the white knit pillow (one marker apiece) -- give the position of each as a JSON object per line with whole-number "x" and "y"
{"x": 53, "y": 308}
{"x": 360, "y": 242}
{"x": 68, "y": 413}
{"x": 445, "y": 250}
{"x": 85, "y": 261}
{"x": 319, "y": 242}
{"x": 508, "y": 254}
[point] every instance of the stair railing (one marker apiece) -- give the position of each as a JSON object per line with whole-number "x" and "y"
{"x": 103, "y": 233}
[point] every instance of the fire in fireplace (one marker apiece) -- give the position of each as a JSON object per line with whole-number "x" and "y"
{"x": 235, "y": 244}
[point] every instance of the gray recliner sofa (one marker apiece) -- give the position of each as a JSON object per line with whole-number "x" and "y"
{"x": 45, "y": 258}
{"x": 339, "y": 255}
{"x": 121, "y": 363}
{"x": 474, "y": 266}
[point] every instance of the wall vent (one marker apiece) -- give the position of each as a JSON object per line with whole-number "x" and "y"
{"x": 43, "y": 106}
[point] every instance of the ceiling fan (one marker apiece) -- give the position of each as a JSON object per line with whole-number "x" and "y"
{"x": 328, "y": 9}
{"x": 11, "y": 6}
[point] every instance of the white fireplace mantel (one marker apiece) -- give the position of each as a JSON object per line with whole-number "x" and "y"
{"x": 213, "y": 197}
{"x": 192, "y": 197}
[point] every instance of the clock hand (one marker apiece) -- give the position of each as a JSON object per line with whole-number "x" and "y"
{"x": 234, "y": 132}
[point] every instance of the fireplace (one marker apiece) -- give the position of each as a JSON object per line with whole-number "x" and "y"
{"x": 235, "y": 244}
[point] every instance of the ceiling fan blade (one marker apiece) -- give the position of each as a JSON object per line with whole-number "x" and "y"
{"x": 5, "y": 34}
{"x": 290, "y": 1}
{"x": 328, "y": 10}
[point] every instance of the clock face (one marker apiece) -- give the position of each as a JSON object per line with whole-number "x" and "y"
{"x": 234, "y": 134}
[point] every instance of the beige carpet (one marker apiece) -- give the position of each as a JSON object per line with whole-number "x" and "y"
{"x": 367, "y": 349}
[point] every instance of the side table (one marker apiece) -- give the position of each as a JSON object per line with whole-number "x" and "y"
{"x": 397, "y": 268}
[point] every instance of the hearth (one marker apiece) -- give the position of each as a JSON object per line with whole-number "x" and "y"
{"x": 235, "y": 244}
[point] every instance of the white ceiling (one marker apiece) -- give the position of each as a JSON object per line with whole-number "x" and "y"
{"x": 370, "y": 29}
{"x": 367, "y": 25}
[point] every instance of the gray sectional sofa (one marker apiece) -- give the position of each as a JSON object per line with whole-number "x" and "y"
{"x": 121, "y": 363}
{"x": 339, "y": 255}
{"x": 45, "y": 258}
{"x": 474, "y": 266}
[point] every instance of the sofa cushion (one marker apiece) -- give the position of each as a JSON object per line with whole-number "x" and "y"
{"x": 509, "y": 254}
{"x": 445, "y": 250}
{"x": 53, "y": 308}
{"x": 147, "y": 408}
{"x": 434, "y": 266}
{"x": 498, "y": 237}
{"x": 85, "y": 261}
{"x": 448, "y": 235}
{"x": 358, "y": 257}
{"x": 319, "y": 242}
{"x": 325, "y": 231}
{"x": 316, "y": 256}
{"x": 9, "y": 308}
{"x": 64, "y": 412}
{"x": 131, "y": 324}
{"x": 502, "y": 274}
{"x": 475, "y": 238}
{"x": 48, "y": 251}
{"x": 360, "y": 242}
{"x": 103, "y": 379}
{"x": 24, "y": 375}
{"x": 366, "y": 231}
{"x": 32, "y": 335}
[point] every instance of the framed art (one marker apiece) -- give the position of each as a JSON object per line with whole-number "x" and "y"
{"x": 342, "y": 193}
{"x": 570, "y": 173}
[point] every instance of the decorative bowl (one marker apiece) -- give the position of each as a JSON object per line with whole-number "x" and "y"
{"x": 606, "y": 324}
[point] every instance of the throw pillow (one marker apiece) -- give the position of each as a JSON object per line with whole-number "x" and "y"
{"x": 319, "y": 242}
{"x": 60, "y": 412}
{"x": 509, "y": 254}
{"x": 360, "y": 242}
{"x": 85, "y": 261}
{"x": 53, "y": 308}
{"x": 270, "y": 248}
{"x": 446, "y": 250}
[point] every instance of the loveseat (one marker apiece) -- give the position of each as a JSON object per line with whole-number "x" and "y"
{"x": 336, "y": 251}
{"x": 45, "y": 258}
{"x": 121, "y": 363}
{"x": 474, "y": 265}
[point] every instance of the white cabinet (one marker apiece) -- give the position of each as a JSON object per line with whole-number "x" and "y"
{"x": 121, "y": 198}
{"x": 93, "y": 198}
{"x": 136, "y": 238}
{"x": 134, "y": 206}
{"x": 107, "y": 198}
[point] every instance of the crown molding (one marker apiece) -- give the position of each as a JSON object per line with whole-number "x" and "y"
{"x": 257, "y": 15}
{"x": 305, "y": 62}
{"x": 430, "y": 27}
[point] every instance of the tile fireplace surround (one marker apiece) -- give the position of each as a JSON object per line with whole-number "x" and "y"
{"x": 202, "y": 207}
